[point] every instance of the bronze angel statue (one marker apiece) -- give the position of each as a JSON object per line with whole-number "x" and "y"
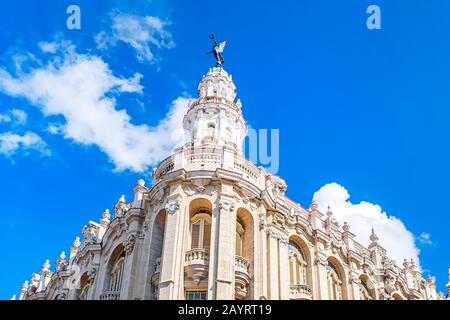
{"x": 217, "y": 50}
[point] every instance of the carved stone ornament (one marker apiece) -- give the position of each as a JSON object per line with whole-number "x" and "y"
{"x": 129, "y": 243}
{"x": 172, "y": 207}
{"x": 121, "y": 207}
{"x": 226, "y": 206}
{"x": 61, "y": 296}
{"x": 277, "y": 235}
{"x": 354, "y": 279}
{"x": 89, "y": 234}
{"x": 320, "y": 259}
{"x": 91, "y": 275}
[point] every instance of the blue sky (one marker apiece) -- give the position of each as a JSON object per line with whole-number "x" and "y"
{"x": 367, "y": 109}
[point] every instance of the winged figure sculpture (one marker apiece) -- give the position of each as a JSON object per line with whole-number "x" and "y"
{"x": 217, "y": 50}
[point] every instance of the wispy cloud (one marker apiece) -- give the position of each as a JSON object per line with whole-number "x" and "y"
{"x": 145, "y": 34}
{"x": 425, "y": 238}
{"x": 11, "y": 143}
{"x": 84, "y": 91}
{"x": 14, "y": 116}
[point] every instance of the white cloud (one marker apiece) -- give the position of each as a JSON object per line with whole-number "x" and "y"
{"x": 83, "y": 90}
{"x": 5, "y": 118}
{"x": 142, "y": 33}
{"x": 20, "y": 117}
{"x": 10, "y": 143}
{"x": 362, "y": 217}
{"x": 48, "y": 47}
{"x": 425, "y": 238}
{"x": 14, "y": 116}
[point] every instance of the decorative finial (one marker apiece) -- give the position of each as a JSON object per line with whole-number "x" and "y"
{"x": 106, "y": 215}
{"x": 373, "y": 237}
{"x": 13, "y": 297}
{"x": 122, "y": 199}
{"x": 61, "y": 262}
{"x": 76, "y": 242}
{"x": 313, "y": 206}
{"x": 25, "y": 285}
{"x": 405, "y": 263}
{"x": 329, "y": 212}
{"x": 346, "y": 227}
{"x": 217, "y": 50}
{"x": 239, "y": 103}
{"x": 141, "y": 182}
{"x": 46, "y": 265}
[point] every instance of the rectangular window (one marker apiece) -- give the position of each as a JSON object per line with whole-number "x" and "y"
{"x": 206, "y": 235}
{"x": 195, "y": 236}
{"x": 196, "y": 295}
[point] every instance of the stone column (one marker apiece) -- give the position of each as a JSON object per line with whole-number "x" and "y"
{"x": 284, "y": 268}
{"x": 353, "y": 286}
{"x": 225, "y": 247}
{"x": 172, "y": 267}
{"x": 144, "y": 286}
{"x": 132, "y": 247}
{"x": 320, "y": 263}
{"x": 273, "y": 279}
{"x": 261, "y": 275}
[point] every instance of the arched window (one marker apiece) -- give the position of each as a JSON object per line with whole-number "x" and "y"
{"x": 84, "y": 287}
{"x": 239, "y": 238}
{"x": 334, "y": 282}
{"x": 201, "y": 229}
{"x": 211, "y": 129}
{"x": 364, "y": 290}
{"x": 84, "y": 292}
{"x": 115, "y": 282}
{"x": 297, "y": 265}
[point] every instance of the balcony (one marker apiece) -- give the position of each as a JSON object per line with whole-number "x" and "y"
{"x": 300, "y": 292}
{"x": 110, "y": 295}
{"x": 242, "y": 278}
{"x": 196, "y": 263}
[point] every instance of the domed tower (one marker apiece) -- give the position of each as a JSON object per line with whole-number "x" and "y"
{"x": 214, "y": 129}
{"x": 202, "y": 200}
{"x": 216, "y": 117}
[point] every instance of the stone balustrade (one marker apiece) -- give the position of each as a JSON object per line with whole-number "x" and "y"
{"x": 110, "y": 295}
{"x": 196, "y": 262}
{"x": 300, "y": 292}
{"x": 242, "y": 277}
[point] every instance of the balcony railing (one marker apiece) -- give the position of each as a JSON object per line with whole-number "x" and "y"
{"x": 196, "y": 262}
{"x": 242, "y": 277}
{"x": 110, "y": 295}
{"x": 300, "y": 292}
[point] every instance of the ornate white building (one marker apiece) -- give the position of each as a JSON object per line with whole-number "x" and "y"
{"x": 213, "y": 225}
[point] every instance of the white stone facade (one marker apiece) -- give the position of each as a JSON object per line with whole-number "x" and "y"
{"x": 213, "y": 225}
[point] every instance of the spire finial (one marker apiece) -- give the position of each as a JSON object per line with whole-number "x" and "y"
{"x": 373, "y": 237}
{"x": 76, "y": 242}
{"x": 106, "y": 215}
{"x": 329, "y": 212}
{"x": 346, "y": 226}
{"x": 141, "y": 182}
{"x": 46, "y": 265}
{"x": 313, "y": 206}
{"x": 25, "y": 285}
